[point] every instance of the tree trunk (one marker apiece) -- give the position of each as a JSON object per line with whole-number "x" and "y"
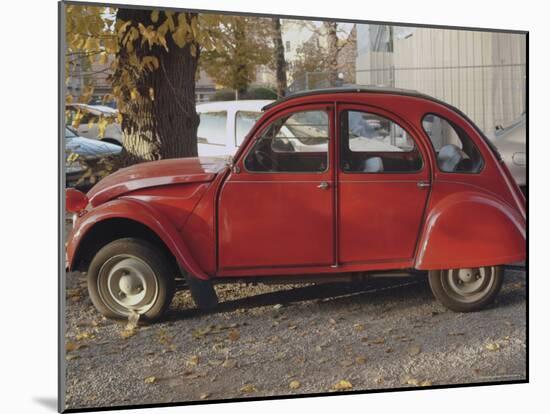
{"x": 159, "y": 119}
{"x": 332, "y": 52}
{"x": 279, "y": 58}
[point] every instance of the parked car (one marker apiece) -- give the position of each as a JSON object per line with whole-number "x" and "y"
{"x": 87, "y": 149}
{"x": 222, "y": 128}
{"x": 444, "y": 205}
{"x": 224, "y": 125}
{"x": 89, "y": 123}
{"x": 512, "y": 145}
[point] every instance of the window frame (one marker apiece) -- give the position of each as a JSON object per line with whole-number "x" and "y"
{"x": 455, "y": 127}
{"x": 342, "y": 143}
{"x": 328, "y": 109}
{"x": 237, "y": 112}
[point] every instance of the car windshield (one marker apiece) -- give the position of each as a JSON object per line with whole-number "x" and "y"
{"x": 69, "y": 133}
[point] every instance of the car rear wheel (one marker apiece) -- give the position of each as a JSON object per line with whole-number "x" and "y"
{"x": 468, "y": 289}
{"x": 130, "y": 276}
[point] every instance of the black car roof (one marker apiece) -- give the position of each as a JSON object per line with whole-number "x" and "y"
{"x": 350, "y": 89}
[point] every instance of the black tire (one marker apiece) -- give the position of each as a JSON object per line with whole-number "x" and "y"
{"x": 441, "y": 285}
{"x": 146, "y": 255}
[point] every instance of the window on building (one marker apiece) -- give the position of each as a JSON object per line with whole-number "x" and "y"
{"x": 213, "y": 128}
{"x": 293, "y": 143}
{"x": 455, "y": 150}
{"x": 374, "y": 144}
{"x": 287, "y": 46}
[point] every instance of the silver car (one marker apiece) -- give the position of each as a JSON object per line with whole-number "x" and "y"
{"x": 85, "y": 148}
{"x": 512, "y": 144}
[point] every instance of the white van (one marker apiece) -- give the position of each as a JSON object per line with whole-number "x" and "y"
{"x": 224, "y": 125}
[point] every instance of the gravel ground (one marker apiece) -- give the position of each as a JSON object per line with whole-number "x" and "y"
{"x": 267, "y": 340}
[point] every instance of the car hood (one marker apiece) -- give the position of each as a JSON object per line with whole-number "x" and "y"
{"x": 154, "y": 174}
{"x": 90, "y": 148}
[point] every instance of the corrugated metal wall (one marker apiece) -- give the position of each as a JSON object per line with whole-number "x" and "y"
{"x": 481, "y": 73}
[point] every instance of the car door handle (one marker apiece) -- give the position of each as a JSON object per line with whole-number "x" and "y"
{"x": 423, "y": 184}
{"x": 323, "y": 185}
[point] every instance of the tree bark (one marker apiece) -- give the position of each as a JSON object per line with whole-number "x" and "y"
{"x": 160, "y": 120}
{"x": 279, "y": 58}
{"x": 332, "y": 51}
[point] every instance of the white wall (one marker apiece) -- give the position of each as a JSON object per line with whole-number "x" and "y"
{"x": 482, "y": 73}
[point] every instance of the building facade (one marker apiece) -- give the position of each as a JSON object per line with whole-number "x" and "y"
{"x": 481, "y": 73}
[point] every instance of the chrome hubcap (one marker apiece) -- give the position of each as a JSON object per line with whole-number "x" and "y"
{"x": 468, "y": 285}
{"x": 127, "y": 284}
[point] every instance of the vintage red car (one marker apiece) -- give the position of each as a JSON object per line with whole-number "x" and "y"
{"x": 341, "y": 183}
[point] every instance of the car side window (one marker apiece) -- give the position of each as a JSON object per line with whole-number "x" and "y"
{"x": 371, "y": 143}
{"x": 212, "y": 128}
{"x": 244, "y": 121}
{"x": 294, "y": 143}
{"x": 455, "y": 151}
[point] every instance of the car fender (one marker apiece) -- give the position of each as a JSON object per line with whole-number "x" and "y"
{"x": 140, "y": 212}
{"x": 470, "y": 229}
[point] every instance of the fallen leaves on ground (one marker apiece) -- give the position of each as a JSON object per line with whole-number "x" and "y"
{"x": 361, "y": 360}
{"x": 342, "y": 385}
{"x": 359, "y": 327}
{"x": 193, "y": 360}
{"x": 492, "y": 346}
{"x": 414, "y": 350}
{"x": 84, "y": 335}
{"x": 131, "y": 327}
{"x": 234, "y": 335}
{"x": 229, "y": 363}
{"x": 248, "y": 389}
{"x": 127, "y": 333}
{"x": 72, "y": 346}
{"x": 150, "y": 380}
{"x": 294, "y": 385}
{"x": 418, "y": 383}
{"x": 204, "y": 396}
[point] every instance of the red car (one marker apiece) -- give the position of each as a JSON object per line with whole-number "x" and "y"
{"x": 329, "y": 184}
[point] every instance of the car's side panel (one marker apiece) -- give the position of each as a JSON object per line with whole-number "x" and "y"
{"x": 199, "y": 232}
{"x": 469, "y": 227}
{"x": 145, "y": 214}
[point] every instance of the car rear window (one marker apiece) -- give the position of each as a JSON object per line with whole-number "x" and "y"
{"x": 455, "y": 150}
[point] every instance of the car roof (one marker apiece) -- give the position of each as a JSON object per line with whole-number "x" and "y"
{"x": 349, "y": 89}
{"x": 94, "y": 109}
{"x": 244, "y": 105}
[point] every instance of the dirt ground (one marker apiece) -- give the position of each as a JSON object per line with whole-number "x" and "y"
{"x": 266, "y": 340}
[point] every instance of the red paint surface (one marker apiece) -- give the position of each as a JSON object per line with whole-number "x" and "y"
{"x": 222, "y": 224}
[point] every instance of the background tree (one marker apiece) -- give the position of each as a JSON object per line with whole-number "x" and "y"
{"x": 310, "y": 58}
{"x": 243, "y": 46}
{"x": 333, "y": 49}
{"x": 321, "y": 54}
{"x": 279, "y": 61}
{"x": 156, "y": 56}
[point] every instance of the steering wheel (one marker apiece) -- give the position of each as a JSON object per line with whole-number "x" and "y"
{"x": 263, "y": 159}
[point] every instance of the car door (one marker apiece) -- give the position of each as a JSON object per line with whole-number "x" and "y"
{"x": 383, "y": 186}
{"x": 276, "y": 208}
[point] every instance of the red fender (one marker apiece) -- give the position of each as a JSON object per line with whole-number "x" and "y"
{"x": 475, "y": 227}
{"x": 140, "y": 212}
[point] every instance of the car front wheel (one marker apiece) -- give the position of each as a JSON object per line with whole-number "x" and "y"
{"x": 468, "y": 289}
{"x": 130, "y": 276}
